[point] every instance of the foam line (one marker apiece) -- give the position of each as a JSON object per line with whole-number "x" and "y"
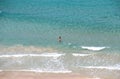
{"x": 33, "y": 55}
{"x": 77, "y": 54}
{"x": 41, "y": 71}
{"x": 93, "y": 48}
{"x": 102, "y": 67}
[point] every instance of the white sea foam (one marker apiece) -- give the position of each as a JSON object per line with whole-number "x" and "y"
{"x": 50, "y": 55}
{"x": 34, "y": 55}
{"x": 41, "y": 71}
{"x": 93, "y": 48}
{"x": 17, "y": 55}
{"x": 77, "y": 54}
{"x": 59, "y": 71}
{"x": 102, "y": 67}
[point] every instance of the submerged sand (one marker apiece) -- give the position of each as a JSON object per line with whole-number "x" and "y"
{"x": 32, "y": 75}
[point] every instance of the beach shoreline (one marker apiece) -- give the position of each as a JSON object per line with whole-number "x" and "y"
{"x": 33, "y": 75}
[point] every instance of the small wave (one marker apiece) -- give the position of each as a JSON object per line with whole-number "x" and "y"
{"x": 20, "y": 55}
{"x": 102, "y": 67}
{"x": 41, "y": 71}
{"x": 93, "y": 48}
{"x": 52, "y": 55}
{"x": 76, "y": 54}
{"x": 34, "y": 55}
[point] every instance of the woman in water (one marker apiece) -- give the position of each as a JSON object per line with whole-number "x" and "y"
{"x": 59, "y": 39}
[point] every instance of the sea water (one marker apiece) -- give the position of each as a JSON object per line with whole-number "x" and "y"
{"x": 90, "y": 31}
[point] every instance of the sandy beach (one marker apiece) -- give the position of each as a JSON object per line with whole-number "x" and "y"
{"x": 32, "y": 75}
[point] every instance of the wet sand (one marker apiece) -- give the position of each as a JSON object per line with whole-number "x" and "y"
{"x": 32, "y": 75}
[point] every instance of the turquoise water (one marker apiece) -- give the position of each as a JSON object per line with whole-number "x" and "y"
{"x": 90, "y": 31}
{"x": 81, "y": 22}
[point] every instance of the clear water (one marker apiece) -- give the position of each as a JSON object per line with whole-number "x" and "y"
{"x": 86, "y": 27}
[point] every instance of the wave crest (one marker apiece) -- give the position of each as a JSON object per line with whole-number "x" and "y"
{"x": 33, "y": 55}
{"x": 40, "y": 71}
{"x": 93, "y": 48}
